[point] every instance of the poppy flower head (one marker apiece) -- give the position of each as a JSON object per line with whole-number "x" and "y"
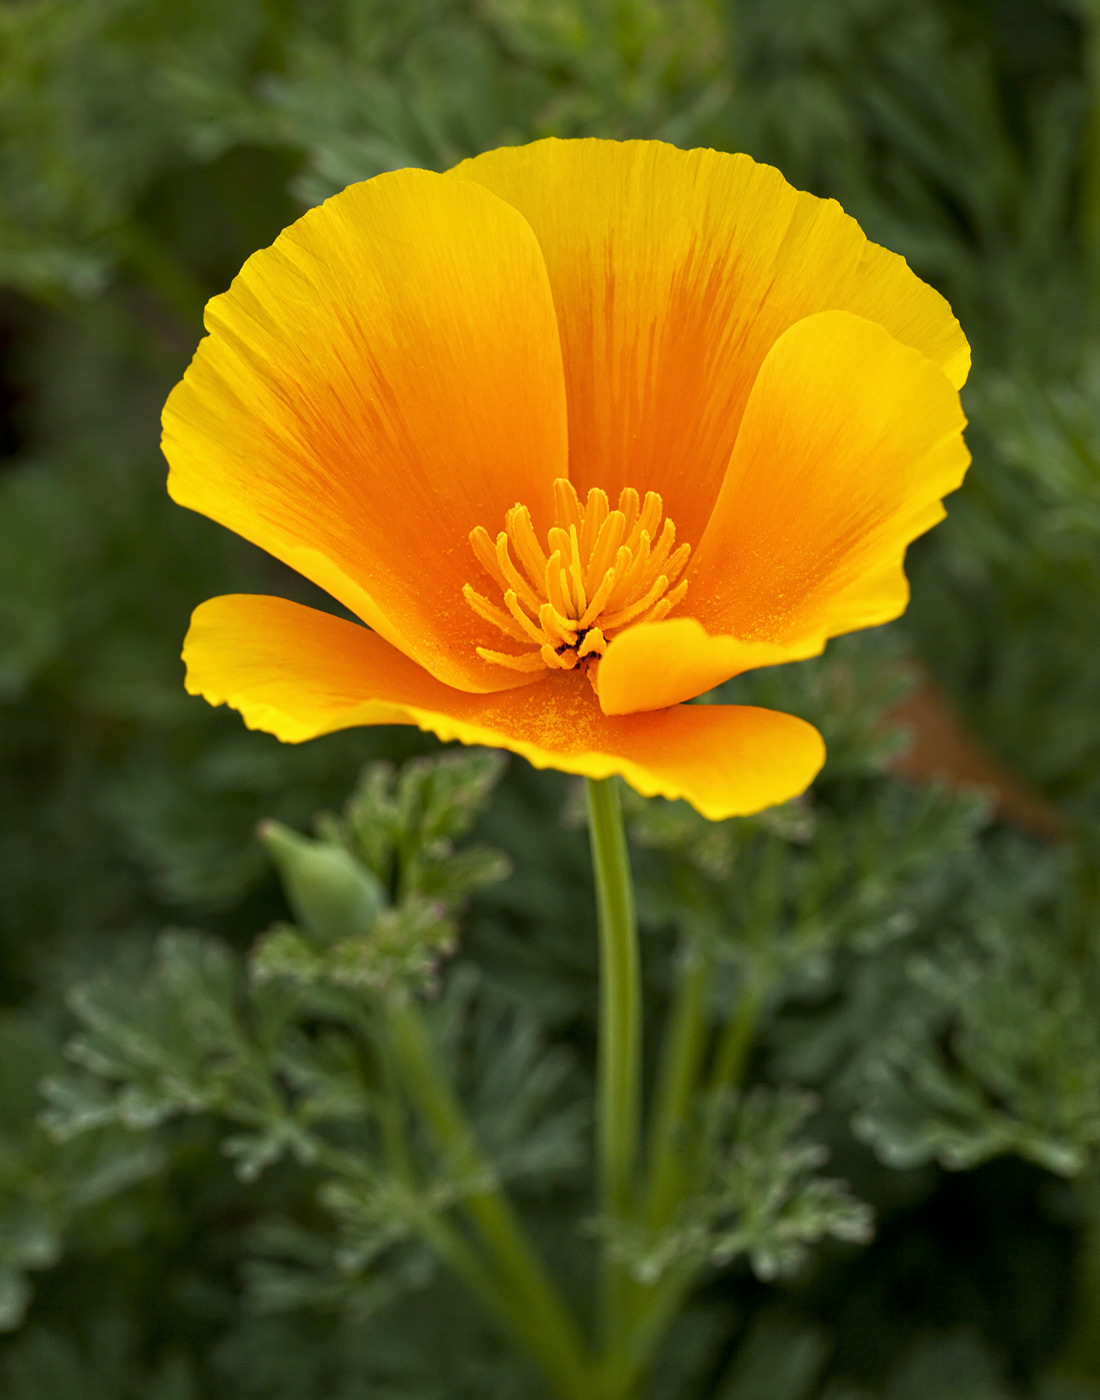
{"x": 579, "y": 431}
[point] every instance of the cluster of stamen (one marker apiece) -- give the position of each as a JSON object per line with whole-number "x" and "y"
{"x": 602, "y": 570}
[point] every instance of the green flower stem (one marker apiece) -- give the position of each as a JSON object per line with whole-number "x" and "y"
{"x": 497, "y": 1300}
{"x": 619, "y": 1061}
{"x": 655, "y": 1310}
{"x": 534, "y": 1310}
{"x": 441, "y": 1236}
{"x": 447, "y": 1242}
{"x": 658, "y": 1309}
{"x": 673, "y": 1145}
{"x": 682, "y": 1055}
{"x": 736, "y": 1041}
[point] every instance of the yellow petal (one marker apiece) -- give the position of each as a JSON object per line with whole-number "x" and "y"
{"x": 382, "y": 379}
{"x": 673, "y": 273}
{"x": 298, "y": 673}
{"x": 848, "y": 442}
{"x": 663, "y": 663}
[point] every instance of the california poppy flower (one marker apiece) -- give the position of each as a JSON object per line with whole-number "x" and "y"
{"x": 578, "y": 430}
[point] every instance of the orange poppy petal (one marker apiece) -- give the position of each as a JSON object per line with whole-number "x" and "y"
{"x": 298, "y": 673}
{"x": 848, "y": 442}
{"x": 674, "y": 272}
{"x": 662, "y": 663}
{"x": 381, "y": 380}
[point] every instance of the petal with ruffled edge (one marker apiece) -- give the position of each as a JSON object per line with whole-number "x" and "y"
{"x": 382, "y": 379}
{"x": 298, "y": 673}
{"x": 848, "y": 442}
{"x": 674, "y": 273}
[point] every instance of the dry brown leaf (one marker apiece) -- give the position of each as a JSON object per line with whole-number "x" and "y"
{"x": 944, "y": 750}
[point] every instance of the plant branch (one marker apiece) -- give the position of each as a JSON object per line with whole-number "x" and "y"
{"x": 534, "y": 1309}
{"x": 681, "y": 1057}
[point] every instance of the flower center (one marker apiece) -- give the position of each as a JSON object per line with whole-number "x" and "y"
{"x": 601, "y": 571}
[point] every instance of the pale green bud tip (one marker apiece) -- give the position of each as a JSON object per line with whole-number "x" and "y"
{"x": 333, "y": 895}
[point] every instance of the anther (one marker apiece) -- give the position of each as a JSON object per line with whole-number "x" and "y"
{"x": 607, "y": 544}
{"x": 567, "y": 503}
{"x": 530, "y": 631}
{"x": 629, "y": 504}
{"x": 595, "y": 513}
{"x": 497, "y": 616}
{"x": 512, "y": 575}
{"x": 529, "y": 661}
{"x": 527, "y": 546}
{"x": 486, "y": 552}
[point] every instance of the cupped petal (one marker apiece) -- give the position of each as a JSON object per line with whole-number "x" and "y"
{"x": 663, "y": 663}
{"x": 383, "y": 379}
{"x": 298, "y": 673}
{"x": 674, "y": 272}
{"x": 848, "y": 442}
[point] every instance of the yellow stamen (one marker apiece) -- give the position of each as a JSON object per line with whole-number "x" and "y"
{"x": 558, "y": 660}
{"x": 529, "y": 661}
{"x": 601, "y": 570}
{"x": 606, "y": 547}
{"x": 527, "y": 546}
{"x": 593, "y": 642}
{"x": 677, "y": 594}
{"x": 555, "y": 586}
{"x": 599, "y": 599}
{"x": 530, "y": 631}
{"x": 652, "y": 510}
{"x": 486, "y": 552}
{"x": 633, "y": 577}
{"x": 512, "y": 575}
{"x": 497, "y": 616}
{"x": 629, "y": 504}
{"x": 595, "y": 513}
{"x": 558, "y": 539}
{"x": 663, "y": 547}
{"x": 576, "y": 573}
{"x": 555, "y": 626}
{"x": 678, "y": 562}
{"x": 635, "y": 610}
{"x": 567, "y": 502}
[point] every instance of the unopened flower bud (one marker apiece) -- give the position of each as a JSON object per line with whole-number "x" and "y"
{"x": 333, "y": 895}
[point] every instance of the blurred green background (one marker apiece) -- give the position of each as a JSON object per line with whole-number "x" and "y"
{"x": 932, "y": 970}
